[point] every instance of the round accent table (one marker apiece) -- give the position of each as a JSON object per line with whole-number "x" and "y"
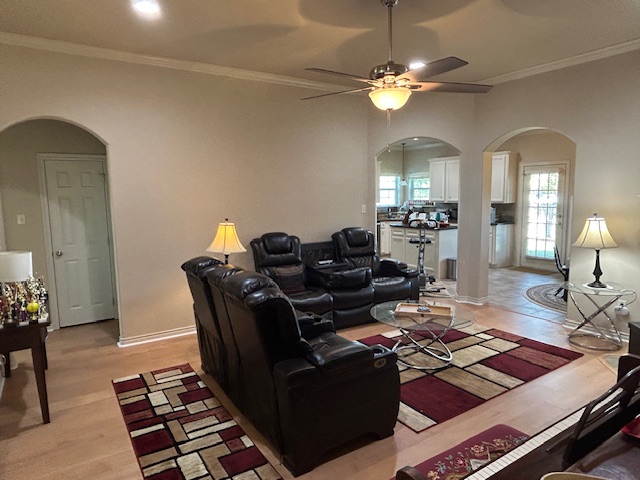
{"x": 422, "y": 332}
{"x": 595, "y": 338}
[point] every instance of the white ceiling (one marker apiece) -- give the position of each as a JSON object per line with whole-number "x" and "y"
{"x": 500, "y": 39}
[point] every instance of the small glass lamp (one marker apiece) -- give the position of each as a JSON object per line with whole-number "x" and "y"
{"x": 595, "y": 234}
{"x": 226, "y": 241}
{"x": 15, "y": 266}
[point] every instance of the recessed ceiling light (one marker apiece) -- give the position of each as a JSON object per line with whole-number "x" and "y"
{"x": 414, "y": 65}
{"x": 147, "y": 8}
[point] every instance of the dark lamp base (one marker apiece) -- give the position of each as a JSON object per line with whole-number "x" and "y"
{"x": 596, "y": 284}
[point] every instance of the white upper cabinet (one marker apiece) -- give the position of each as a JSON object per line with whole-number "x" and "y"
{"x": 444, "y": 174}
{"x": 504, "y": 177}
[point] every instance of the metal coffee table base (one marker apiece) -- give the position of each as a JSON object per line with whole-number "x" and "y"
{"x": 434, "y": 347}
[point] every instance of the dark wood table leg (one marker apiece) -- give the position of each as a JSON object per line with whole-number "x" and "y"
{"x": 7, "y": 364}
{"x": 37, "y": 348}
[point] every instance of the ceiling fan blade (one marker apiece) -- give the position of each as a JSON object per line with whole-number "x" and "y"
{"x": 432, "y": 69}
{"x": 341, "y": 74}
{"x": 449, "y": 87}
{"x": 339, "y": 93}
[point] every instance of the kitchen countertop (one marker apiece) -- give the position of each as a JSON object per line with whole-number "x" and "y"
{"x": 402, "y": 225}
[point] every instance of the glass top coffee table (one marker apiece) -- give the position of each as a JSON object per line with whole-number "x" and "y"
{"x": 422, "y": 332}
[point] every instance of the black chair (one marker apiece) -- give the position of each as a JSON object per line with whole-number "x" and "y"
{"x": 307, "y": 396}
{"x": 392, "y": 280}
{"x": 212, "y": 351}
{"x": 278, "y": 256}
{"x": 564, "y": 270}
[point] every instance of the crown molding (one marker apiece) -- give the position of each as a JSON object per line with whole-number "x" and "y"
{"x": 69, "y": 48}
{"x": 567, "y": 62}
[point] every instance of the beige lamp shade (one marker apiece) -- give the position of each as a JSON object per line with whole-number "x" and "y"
{"x": 15, "y": 266}
{"x": 595, "y": 235}
{"x": 390, "y": 98}
{"x": 226, "y": 240}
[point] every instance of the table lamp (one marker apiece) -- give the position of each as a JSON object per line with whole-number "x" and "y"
{"x": 226, "y": 241}
{"x": 14, "y": 267}
{"x": 595, "y": 234}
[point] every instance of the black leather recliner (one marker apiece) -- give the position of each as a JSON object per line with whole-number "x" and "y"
{"x": 278, "y": 256}
{"x": 306, "y": 395}
{"x": 210, "y": 343}
{"x": 343, "y": 294}
{"x": 392, "y": 280}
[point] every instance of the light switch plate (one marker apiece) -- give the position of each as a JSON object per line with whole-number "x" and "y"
{"x": 22, "y": 219}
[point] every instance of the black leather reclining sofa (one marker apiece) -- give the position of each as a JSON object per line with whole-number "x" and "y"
{"x": 305, "y": 388}
{"x": 340, "y": 279}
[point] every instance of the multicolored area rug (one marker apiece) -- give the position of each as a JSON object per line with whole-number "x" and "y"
{"x": 180, "y": 431}
{"x": 486, "y": 363}
{"x": 545, "y": 296}
{"x": 470, "y": 455}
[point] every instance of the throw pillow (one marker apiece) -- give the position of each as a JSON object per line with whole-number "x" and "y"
{"x": 290, "y": 279}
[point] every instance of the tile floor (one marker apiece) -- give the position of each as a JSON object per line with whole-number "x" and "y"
{"x": 507, "y": 287}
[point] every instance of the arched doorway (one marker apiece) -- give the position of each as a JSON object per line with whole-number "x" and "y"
{"x": 536, "y": 218}
{"x": 29, "y": 151}
{"x": 417, "y": 175}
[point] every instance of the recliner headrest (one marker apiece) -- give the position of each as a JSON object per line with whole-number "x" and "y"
{"x": 245, "y": 283}
{"x": 356, "y": 237}
{"x": 216, "y": 275}
{"x": 276, "y": 243}
{"x": 198, "y": 264}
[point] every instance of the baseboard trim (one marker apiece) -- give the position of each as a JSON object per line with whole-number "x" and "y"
{"x": 472, "y": 300}
{"x": 156, "y": 337}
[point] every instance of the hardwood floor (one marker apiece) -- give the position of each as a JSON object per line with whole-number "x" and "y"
{"x": 86, "y": 438}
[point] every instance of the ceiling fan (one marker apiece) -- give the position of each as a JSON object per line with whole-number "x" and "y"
{"x": 391, "y": 84}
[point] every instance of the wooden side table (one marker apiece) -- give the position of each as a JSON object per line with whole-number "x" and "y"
{"x": 601, "y": 298}
{"x": 29, "y": 335}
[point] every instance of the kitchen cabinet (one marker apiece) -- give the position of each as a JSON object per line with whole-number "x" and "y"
{"x": 444, "y": 175}
{"x": 385, "y": 238}
{"x": 444, "y": 245}
{"x": 504, "y": 177}
{"x": 501, "y": 245}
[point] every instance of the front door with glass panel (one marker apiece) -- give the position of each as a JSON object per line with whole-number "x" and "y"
{"x": 543, "y": 213}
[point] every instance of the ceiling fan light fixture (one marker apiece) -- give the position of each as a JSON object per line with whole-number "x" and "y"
{"x": 390, "y": 98}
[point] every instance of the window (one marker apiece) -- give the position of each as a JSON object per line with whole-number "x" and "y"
{"x": 419, "y": 185}
{"x": 389, "y": 190}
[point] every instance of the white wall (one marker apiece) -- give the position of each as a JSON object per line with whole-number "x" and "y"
{"x": 186, "y": 150}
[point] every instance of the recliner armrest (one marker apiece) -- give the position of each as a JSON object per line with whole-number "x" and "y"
{"x": 390, "y": 267}
{"x": 312, "y": 325}
{"x": 332, "y": 358}
{"x": 342, "y": 276}
{"x": 348, "y": 358}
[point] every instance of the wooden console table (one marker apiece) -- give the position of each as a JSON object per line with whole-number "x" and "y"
{"x": 23, "y": 336}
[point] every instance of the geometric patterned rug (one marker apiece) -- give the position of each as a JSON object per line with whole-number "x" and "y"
{"x": 487, "y": 362}
{"x": 470, "y": 455}
{"x": 179, "y": 430}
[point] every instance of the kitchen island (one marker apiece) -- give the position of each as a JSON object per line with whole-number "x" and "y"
{"x": 442, "y": 245}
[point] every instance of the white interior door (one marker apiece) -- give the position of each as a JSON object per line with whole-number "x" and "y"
{"x": 78, "y": 218}
{"x": 543, "y": 213}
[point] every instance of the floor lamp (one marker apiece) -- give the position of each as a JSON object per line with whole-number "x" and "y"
{"x": 226, "y": 241}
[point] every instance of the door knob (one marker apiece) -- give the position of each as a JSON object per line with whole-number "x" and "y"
{"x": 58, "y": 253}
